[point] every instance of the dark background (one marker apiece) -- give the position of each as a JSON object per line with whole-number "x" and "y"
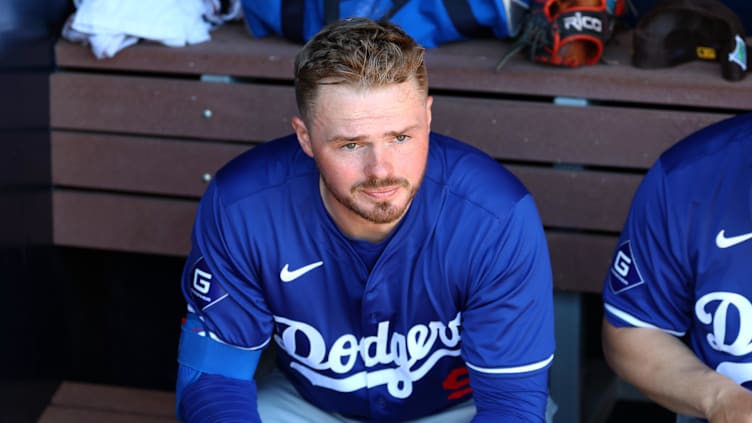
{"x": 72, "y": 314}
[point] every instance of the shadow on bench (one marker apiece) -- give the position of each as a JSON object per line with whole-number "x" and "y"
{"x": 76, "y": 402}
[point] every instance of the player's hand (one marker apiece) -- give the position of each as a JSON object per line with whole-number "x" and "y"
{"x": 732, "y": 406}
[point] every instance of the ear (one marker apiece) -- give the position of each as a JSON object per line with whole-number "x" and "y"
{"x": 304, "y": 137}
{"x": 429, "y": 103}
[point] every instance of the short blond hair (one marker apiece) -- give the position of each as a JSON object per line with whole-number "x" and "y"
{"x": 360, "y": 52}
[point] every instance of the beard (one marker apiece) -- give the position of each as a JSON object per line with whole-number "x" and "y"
{"x": 380, "y": 212}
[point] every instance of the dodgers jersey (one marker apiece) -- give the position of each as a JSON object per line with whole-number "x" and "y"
{"x": 684, "y": 260}
{"x": 464, "y": 280}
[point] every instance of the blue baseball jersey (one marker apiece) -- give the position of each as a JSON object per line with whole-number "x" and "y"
{"x": 463, "y": 281}
{"x": 684, "y": 260}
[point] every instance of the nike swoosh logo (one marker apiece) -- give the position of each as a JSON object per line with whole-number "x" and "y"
{"x": 722, "y": 242}
{"x": 288, "y": 275}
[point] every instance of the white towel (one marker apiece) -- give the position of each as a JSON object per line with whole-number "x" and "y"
{"x": 112, "y": 25}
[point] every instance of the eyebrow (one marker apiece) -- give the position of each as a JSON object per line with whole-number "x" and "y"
{"x": 358, "y": 138}
{"x": 344, "y": 139}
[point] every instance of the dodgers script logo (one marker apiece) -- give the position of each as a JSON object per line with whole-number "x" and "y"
{"x": 714, "y": 309}
{"x": 413, "y": 354}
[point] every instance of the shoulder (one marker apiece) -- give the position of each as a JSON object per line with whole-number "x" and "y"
{"x": 471, "y": 176}
{"x": 724, "y": 145}
{"x": 263, "y": 167}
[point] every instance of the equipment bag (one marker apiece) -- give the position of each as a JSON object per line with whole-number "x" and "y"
{"x": 429, "y": 22}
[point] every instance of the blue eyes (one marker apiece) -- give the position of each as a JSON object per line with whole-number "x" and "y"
{"x": 354, "y": 146}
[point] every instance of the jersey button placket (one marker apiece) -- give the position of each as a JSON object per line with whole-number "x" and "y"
{"x": 370, "y": 317}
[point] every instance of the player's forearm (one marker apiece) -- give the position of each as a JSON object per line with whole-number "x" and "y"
{"x": 663, "y": 368}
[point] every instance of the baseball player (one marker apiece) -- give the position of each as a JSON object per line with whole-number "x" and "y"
{"x": 678, "y": 316}
{"x": 402, "y": 275}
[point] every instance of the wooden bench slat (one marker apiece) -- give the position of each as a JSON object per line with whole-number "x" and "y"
{"x": 56, "y": 414}
{"x": 580, "y": 262}
{"x": 153, "y": 106}
{"x": 231, "y": 51}
{"x": 545, "y": 132}
{"x": 122, "y": 222}
{"x": 464, "y": 66}
{"x": 591, "y": 200}
{"x": 137, "y": 164}
{"x": 115, "y": 398}
{"x": 78, "y": 402}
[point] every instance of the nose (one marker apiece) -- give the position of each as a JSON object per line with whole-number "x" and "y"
{"x": 378, "y": 162}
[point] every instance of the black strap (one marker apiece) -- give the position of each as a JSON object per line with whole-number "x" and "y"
{"x": 464, "y": 20}
{"x": 292, "y": 19}
{"x": 331, "y": 11}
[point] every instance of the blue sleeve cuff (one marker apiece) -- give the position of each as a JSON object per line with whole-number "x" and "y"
{"x": 519, "y": 398}
{"x": 217, "y": 399}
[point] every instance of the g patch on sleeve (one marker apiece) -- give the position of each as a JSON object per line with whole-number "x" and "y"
{"x": 205, "y": 290}
{"x": 624, "y": 272}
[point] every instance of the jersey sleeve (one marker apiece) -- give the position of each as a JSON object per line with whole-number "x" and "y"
{"x": 502, "y": 399}
{"x": 219, "y": 280}
{"x": 647, "y": 284}
{"x": 507, "y": 327}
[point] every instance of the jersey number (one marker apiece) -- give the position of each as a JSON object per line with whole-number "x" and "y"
{"x": 458, "y": 383}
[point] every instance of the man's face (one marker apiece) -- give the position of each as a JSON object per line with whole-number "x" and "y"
{"x": 371, "y": 148}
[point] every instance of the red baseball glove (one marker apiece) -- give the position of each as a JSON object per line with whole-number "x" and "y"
{"x": 568, "y": 33}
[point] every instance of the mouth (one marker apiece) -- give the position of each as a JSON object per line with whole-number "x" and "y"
{"x": 381, "y": 193}
{"x": 381, "y": 190}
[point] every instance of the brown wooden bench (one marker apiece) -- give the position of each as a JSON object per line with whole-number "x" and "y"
{"x": 82, "y": 402}
{"x": 136, "y": 138}
{"x": 76, "y": 402}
